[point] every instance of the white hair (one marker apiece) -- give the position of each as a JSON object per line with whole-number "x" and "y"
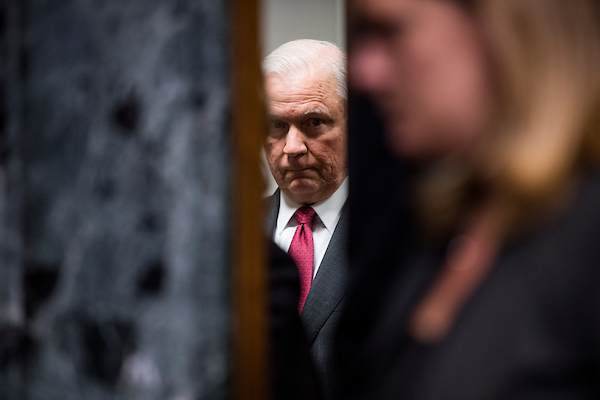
{"x": 305, "y": 55}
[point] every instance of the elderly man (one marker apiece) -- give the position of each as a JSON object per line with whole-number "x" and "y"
{"x": 305, "y": 83}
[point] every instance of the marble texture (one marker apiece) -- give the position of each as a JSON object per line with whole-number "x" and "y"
{"x": 114, "y": 194}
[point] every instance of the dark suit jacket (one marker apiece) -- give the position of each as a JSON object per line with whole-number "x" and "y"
{"x": 321, "y": 312}
{"x": 530, "y": 331}
{"x": 292, "y": 372}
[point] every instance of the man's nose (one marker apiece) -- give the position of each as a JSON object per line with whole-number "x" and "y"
{"x": 295, "y": 143}
{"x": 370, "y": 68}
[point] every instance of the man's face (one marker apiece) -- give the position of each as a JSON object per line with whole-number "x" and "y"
{"x": 425, "y": 64}
{"x": 306, "y": 147}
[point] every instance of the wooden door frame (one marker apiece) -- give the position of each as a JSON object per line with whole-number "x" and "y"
{"x": 249, "y": 272}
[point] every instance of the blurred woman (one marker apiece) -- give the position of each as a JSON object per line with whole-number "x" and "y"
{"x": 495, "y": 105}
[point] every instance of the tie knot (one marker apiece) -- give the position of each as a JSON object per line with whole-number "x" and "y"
{"x": 304, "y": 215}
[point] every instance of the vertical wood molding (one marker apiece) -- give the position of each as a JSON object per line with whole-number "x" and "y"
{"x": 249, "y": 278}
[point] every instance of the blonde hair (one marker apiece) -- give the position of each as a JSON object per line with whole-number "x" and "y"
{"x": 546, "y": 58}
{"x": 547, "y": 54}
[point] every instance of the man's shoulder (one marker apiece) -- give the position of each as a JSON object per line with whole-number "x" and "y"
{"x": 272, "y": 201}
{"x": 271, "y": 209}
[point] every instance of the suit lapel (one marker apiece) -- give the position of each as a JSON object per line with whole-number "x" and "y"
{"x": 327, "y": 290}
{"x": 271, "y": 213}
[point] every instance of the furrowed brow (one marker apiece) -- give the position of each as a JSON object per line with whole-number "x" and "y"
{"x": 315, "y": 111}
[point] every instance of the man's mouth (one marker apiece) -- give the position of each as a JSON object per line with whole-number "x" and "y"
{"x": 297, "y": 169}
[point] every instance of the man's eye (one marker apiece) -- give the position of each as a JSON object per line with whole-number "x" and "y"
{"x": 277, "y": 125}
{"x": 277, "y": 129}
{"x": 316, "y": 121}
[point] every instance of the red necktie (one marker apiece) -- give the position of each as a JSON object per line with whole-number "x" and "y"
{"x": 302, "y": 251}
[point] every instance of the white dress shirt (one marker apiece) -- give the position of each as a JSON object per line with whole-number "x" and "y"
{"x": 327, "y": 215}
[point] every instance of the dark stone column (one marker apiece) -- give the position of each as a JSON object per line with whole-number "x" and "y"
{"x": 114, "y": 154}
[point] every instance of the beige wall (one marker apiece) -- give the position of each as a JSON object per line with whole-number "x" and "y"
{"x": 285, "y": 20}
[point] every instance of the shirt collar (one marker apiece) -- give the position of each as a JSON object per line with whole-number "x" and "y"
{"x": 327, "y": 210}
